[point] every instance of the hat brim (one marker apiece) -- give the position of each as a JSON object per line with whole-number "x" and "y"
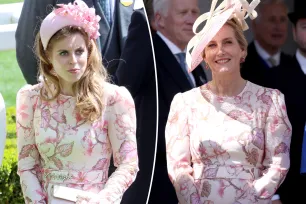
{"x": 295, "y": 16}
{"x": 203, "y": 38}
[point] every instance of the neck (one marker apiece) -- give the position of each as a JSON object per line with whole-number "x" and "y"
{"x": 271, "y": 50}
{"x": 227, "y": 85}
{"x": 66, "y": 89}
{"x": 181, "y": 46}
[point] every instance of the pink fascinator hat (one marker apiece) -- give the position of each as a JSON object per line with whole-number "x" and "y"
{"x": 76, "y": 14}
{"x": 215, "y": 19}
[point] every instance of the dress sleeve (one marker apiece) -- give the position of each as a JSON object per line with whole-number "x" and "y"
{"x": 28, "y": 155}
{"x": 122, "y": 135}
{"x": 276, "y": 162}
{"x": 2, "y": 127}
{"x": 178, "y": 152}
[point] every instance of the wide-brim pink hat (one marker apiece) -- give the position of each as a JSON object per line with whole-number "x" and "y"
{"x": 72, "y": 14}
{"x": 215, "y": 19}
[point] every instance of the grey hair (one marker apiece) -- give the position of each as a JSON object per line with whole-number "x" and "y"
{"x": 263, "y": 3}
{"x": 161, "y": 6}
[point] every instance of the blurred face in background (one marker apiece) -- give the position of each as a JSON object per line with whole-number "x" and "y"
{"x": 299, "y": 35}
{"x": 270, "y": 27}
{"x": 177, "y": 21}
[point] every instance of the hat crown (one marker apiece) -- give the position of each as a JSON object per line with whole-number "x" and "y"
{"x": 298, "y": 12}
{"x": 299, "y": 6}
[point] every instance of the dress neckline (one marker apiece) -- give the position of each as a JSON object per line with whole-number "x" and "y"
{"x": 207, "y": 93}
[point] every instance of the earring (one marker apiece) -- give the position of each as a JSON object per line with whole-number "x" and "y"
{"x": 206, "y": 66}
{"x": 242, "y": 60}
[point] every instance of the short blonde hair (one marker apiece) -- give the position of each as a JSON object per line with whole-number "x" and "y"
{"x": 235, "y": 24}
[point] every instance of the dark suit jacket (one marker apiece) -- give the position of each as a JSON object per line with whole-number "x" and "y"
{"x": 171, "y": 80}
{"x": 291, "y": 81}
{"x": 255, "y": 69}
{"x": 34, "y": 11}
{"x": 137, "y": 74}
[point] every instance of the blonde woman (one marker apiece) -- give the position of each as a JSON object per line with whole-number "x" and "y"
{"x": 70, "y": 124}
{"x": 2, "y": 127}
{"x": 227, "y": 141}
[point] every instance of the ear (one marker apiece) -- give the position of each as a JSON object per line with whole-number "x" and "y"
{"x": 243, "y": 53}
{"x": 159, "y": 21}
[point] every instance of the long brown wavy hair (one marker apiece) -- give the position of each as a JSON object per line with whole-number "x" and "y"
{"x": 89, "y": 89}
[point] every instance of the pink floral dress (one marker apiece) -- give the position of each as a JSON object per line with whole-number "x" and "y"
{"x": 228, "y": 150}
{"x": 57, "y": 147}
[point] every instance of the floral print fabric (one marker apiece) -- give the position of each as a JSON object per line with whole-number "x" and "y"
{"x": 228, "y": 150}
{"x": 57, "y": 147}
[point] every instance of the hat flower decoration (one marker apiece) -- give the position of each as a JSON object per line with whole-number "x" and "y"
{"x": 215, "y": 19}
{"x": 72, "y": 14}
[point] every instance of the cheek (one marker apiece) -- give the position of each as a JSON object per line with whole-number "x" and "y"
{"x": 83, "y": 60}
{"x": 58, "y": 63}
{"x": 302, "y": 36}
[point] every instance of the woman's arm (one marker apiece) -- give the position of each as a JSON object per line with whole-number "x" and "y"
{"x": 178, "y": 152}
{"x": 277, "y": 146}
{"x": 122, "y": 135}
{"x": 28, "y": 155}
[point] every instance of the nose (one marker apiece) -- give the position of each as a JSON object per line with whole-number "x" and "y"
{"x": 73, "y": 59}
{"x": 220, "y": 50}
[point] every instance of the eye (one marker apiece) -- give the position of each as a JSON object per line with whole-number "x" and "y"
{"x": 79, "y": 51}
{"x": 211, "y": 45}
{"x": 63, "y": 53}
{"x": 183, "y": 12}
{"x": 228, "y": 42}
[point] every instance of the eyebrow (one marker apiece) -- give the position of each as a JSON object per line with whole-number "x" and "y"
{"x": 229, "y": 38}
{"x": 61, "y": 49}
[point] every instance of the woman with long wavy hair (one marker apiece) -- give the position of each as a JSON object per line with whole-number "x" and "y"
{"x": 70, "y": 124}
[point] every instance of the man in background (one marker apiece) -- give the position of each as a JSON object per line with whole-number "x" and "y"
{"x": 173, "y": 21}
{"x": 270, "y": 33}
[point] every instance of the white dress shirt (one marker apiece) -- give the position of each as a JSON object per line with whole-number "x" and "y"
{"x": 175, "y": 50}
{"x": 138, "y": 4}
{"x": 265, "y": 55}
{"x": 2, "y": 128}
{"x": 112, "y": 5}
{"x": 301, "y": 60}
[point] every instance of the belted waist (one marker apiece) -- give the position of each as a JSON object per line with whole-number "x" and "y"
{"x": 74, "y": 177}
{"x": 227, "y": 171}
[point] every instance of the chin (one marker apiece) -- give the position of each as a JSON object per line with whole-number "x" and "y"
{"x": 224, "y": 69}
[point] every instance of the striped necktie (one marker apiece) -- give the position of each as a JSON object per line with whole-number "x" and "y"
{"x": 182, "y": 60}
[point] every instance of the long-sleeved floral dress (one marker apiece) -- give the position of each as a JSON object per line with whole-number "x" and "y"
{"x": 57, "y": 147}
{"x": 228, "y": 150}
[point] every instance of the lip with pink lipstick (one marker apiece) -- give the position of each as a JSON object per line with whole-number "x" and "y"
{"x": 74, "y": 70}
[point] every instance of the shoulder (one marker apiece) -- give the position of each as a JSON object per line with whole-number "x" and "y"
{"x": 187, "y": 98}
{"x": 30, "y": 90}
{"x": 114, "y": 92}
{"x": 268, "y": 96}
